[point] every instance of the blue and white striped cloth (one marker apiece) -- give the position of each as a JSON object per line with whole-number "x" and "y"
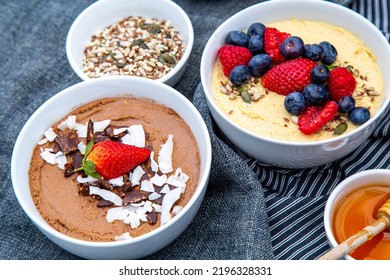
{"x": 296, "y": 199}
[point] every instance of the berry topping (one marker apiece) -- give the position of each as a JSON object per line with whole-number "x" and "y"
{"x": 346, "y": 104}
{"x": 111, "y": 159}
{"x": 320, "y": 74}
{"x": 313, "y": 52}
{"x": 256, "y": 44}
{"x": 295, "y": 103}
{"x": 237, "y": 38}
{"x": 340, "y": 83}
{"x": 359, "y": 115}
{"x": 256, "y": 28}
{"x": 316, "y": 94}
{"x": 315, "y": 117}
{"x": 240, "y": 75}
{"x": 259, "y": 65}
{"x": 330, "y": 53}
{"x": 273, "y": 39}
{"x": 232, "y": 56}
{"x": 292, "y": 47}
{"x": 289, "y": 76}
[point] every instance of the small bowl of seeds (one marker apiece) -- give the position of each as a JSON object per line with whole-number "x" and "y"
{"x": 151, "y": 39}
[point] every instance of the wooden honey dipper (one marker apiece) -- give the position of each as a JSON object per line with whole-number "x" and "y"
{"x": 382, "y": 222}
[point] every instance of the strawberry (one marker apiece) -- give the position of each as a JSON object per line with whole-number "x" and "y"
{"x": 340, "y": 83}
{"x": 314, "y": 118}
{"x": 111, "y": 159}
{"x": 231, "y": 56}
{"x": 273, "y": 38}
{"x": 289, "y": 76}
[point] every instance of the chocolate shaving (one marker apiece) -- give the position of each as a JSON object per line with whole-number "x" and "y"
{"x": 103, "y": 184}
{"x": 135, "y": 196}
{"x": 104, "y": 203}
{"x": 67, "y": 141}
{"x": 77, "y": 159}
{"x": 69, "y": 167}
{"x": 83, "y": 189}
{"x": 100, "y": 137}
{"x": 89, "y": 130}
{"x": 152, "y": 217}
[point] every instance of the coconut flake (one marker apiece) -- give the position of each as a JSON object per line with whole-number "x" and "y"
{"x": 117, "y": 182}
{"x": 61, "y": 160}
{"x": 107, "y": 195}
{"x": 88, "y": 179}
{"x": 175, "y": 181}
{"x": 136, "y": 176}
{"x": 81, "y": 146}
{"x": 153, "y": 163}
{"x": 165, "y": 155}
{"x": 50, "y": 134}
{"x": 156, "y": 207}
{"x": 113, "y": 214}
{"x": 123, "y": 237}
{"x": 136, "y": 136}
{"x": 159, "y": 180}
{"x": 48, "y": 156}
{"x": 118, "y": 131}
{"x": 176, "y": 209}
{"x": 148, "y": 206}
{"x": 100, "y": 126}
{"x": 70, "y": 123}
{"x": 42, "y": 141}
{"x": 181, "y": 176}
{"x": 165, "y": 189}
{"x": 81, "y": 130}
{"x": 147, "y": 186}
{"x": 169, "y": 199}
{"x": 154, "y": 196}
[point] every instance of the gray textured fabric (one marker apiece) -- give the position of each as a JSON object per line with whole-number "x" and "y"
{"x": 34, "y": 67}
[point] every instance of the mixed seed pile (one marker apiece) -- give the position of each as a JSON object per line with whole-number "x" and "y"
{"x": 134, "y": 46}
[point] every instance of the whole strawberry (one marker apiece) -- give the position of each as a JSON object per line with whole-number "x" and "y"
{"x": 291, "y": 75}
{"x": 273, "y": 39}
{"x": 231, "y": 56}
{"x": 110, "y": 159}
{"x": 315, "y": 118}
{"x": 340, "y": 83}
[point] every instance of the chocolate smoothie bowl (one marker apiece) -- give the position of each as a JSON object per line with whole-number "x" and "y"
{"x": 117, "y": 172}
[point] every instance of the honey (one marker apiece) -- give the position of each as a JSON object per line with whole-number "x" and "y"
{"x": 358, "y": 210}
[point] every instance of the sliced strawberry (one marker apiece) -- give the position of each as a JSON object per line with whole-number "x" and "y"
{"x": 273, "y": 38}
{"x": 315, "y": 118}
{"x": 340, "y": 83}
{"x": 289, "y": 76}
{"x": 232, "y": 56}
{"x": 112, "y": 159}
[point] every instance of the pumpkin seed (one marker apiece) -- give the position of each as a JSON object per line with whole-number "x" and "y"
{"x": 120, "y": 64}
{"x": 161, "y": 59}
{"x": 137, "y": 42}
{"x": 169, "y": 58}
{"x": 340, "y": 128}
{"x": 155, "y": 29}
{"x": 246, "y": 96}
{"x": 144, "y": 46}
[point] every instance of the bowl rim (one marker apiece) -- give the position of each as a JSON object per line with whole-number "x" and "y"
{"x": 201, "y": 185}
{"x": 338, "y": 193}
{"x": 90, "y": 9}
{"x": 263, "y": 5}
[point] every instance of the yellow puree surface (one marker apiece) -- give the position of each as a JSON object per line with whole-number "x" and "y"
{"x": 266, "y": 117}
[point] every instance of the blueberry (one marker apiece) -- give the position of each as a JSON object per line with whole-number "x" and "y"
{"x": 330, "y": 53}
{"x": 292, "y": 47}
{"x": 359, "y": 115}
{"x": 315, "y": 94}
{"x": 256, "y": 28}
{"x": 259, "y": 65}
{"x": 256, "y": 44}
{"x": 237, "y": 38}
{"x": 320, "y": 73}
{"x": 346, "y": 104}
{"x": 240, "y": 75}
{"x": 313, "y": 52}
{"x": 295, "y": 103}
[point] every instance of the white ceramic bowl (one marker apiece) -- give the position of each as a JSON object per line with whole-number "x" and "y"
{"x": 62, "y": 104}
{"x": 295, "y": 154}
{"x": 356, "y": 181}
{"x": 107, "y": 12}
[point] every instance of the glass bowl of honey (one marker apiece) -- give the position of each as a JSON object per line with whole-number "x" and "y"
{"x": 353, "y": 205}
